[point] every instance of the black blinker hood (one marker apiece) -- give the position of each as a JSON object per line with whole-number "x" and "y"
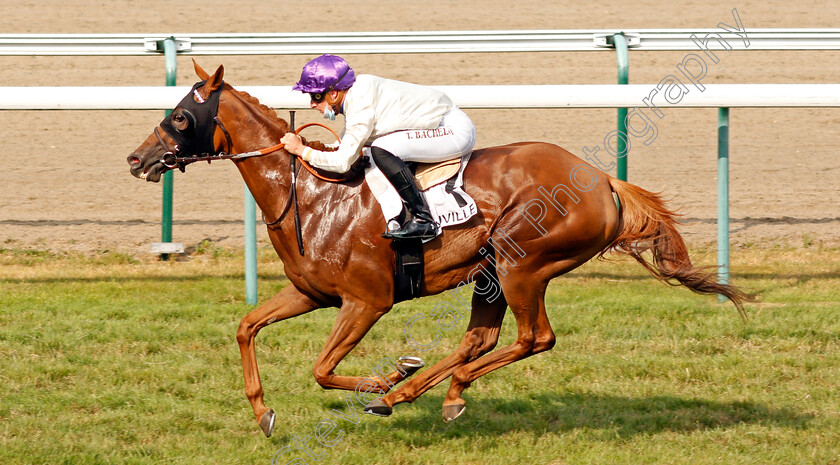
{"x": 197, "y": 138}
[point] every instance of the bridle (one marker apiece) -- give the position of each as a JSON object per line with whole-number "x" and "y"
{"x": 174, "y": 157}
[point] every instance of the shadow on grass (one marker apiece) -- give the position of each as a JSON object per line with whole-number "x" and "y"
{"x": 612, "y": 415}
{"x": 155, "y": 279}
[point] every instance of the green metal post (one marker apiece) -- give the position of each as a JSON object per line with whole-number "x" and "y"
{"x": 723, "y": 198}
{"x": 620, "y": 43}
{"x": 168, "y": 180}
{"x": 250, "y": 248}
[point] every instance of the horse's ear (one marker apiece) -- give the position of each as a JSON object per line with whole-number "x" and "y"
{"x": 200, "y": 71}
{"x": 215, "y": 81}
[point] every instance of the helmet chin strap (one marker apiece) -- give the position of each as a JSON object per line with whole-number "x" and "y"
{"x": 335, "y": 103}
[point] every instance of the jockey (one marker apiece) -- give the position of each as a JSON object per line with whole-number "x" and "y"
{"x": 399, "y": 121}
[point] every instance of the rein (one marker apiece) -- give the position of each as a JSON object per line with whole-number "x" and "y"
{"x": 172, "y": 158}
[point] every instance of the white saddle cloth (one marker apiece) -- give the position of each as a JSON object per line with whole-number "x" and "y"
{"x": 443, "y": 205}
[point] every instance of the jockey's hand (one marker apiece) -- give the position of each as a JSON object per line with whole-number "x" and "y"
{"x": 293, "y": 143}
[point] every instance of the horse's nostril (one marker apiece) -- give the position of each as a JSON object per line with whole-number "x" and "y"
{"x": 133, "y": 161}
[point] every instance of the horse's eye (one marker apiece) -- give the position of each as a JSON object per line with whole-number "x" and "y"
{"x": 179, "y": 118}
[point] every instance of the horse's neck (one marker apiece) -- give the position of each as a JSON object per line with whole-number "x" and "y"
{"x": 269, "y": 178}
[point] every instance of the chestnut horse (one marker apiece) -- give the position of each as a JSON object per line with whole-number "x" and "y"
{"x": 542, "y": 212}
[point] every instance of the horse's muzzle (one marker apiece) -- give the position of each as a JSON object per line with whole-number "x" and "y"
{"x": 151, "y": 172}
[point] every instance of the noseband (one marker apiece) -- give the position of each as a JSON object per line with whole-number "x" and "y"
{"x": 173, "y": 157}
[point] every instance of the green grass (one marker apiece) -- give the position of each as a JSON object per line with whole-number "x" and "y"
{"x": 115, "y": 359}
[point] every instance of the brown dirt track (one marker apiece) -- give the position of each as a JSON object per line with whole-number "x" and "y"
{"x": 65, "y": 182}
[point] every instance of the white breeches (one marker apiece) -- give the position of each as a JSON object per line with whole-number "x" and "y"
{"x": 453, "y": 138}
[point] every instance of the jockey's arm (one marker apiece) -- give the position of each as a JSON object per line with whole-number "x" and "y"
{"x": 357, "y": 130}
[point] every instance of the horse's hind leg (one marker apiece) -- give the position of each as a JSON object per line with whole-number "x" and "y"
{"x": 480, "y": 338}
{"x": 527, "y": 302}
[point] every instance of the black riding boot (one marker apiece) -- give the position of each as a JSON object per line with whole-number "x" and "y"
{"x": 421, "y": 225}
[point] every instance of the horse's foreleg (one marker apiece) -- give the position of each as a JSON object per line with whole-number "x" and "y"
{"x": 286, "y": 304}
{"x": 353, "y": 322}
{"x": 534, "y": 335}
{"x": 480, "y": 338}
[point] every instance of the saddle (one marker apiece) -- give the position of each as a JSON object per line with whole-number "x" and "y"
{"x": 430, "y": 175}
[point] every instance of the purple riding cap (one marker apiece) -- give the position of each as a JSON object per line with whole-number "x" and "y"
{"x": 325, "y": 73}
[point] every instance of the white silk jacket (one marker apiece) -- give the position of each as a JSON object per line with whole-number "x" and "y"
{"x": 374, "y": 107}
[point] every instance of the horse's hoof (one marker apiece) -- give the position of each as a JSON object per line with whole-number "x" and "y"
{"x": 267, "y": 423}
{"x": 451, "y": 412}
{"x": 378, "y": 408}
{"x": 410, "y": 365}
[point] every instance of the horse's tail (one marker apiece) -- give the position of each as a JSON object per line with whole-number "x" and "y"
{"x": 645, "y": 223}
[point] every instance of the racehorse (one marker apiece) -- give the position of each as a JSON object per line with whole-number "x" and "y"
{"x": 542, "y": 212}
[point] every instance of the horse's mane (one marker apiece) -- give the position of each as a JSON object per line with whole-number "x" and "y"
{"x": 267, "y": 111}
